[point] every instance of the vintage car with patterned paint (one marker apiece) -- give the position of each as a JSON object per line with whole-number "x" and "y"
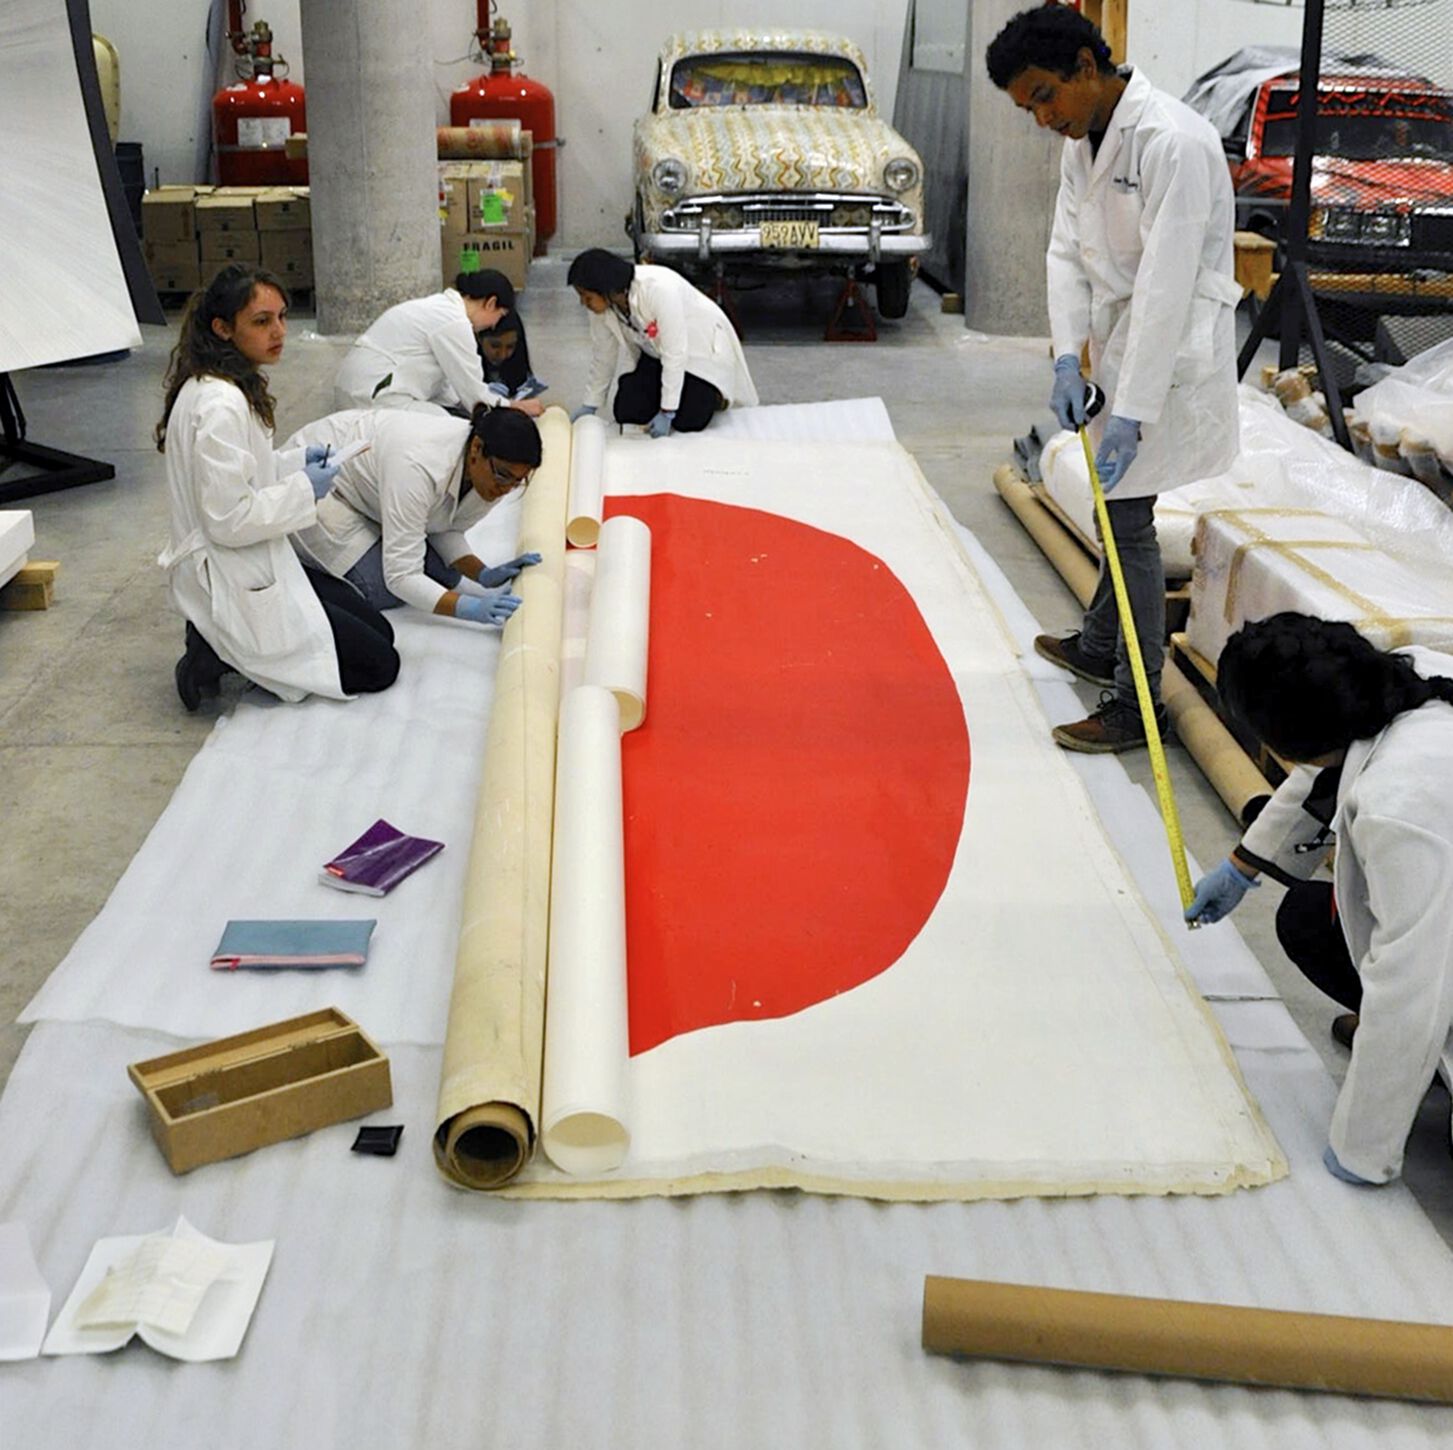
{"x": 764, "y": 148}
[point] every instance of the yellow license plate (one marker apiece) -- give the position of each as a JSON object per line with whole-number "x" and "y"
{"x": 789, "y": 234}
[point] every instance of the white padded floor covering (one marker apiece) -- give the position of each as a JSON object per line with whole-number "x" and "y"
{"x": 401, "y": 1312}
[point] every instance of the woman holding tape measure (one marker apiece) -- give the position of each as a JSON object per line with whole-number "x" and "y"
{"x": 1140, "y": 266}
{"x": 394, "y": 524}
{"x": 1372, "y": 733}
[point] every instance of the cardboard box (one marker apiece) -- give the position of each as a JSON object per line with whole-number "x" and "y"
{"x": 176, "y": 276}
{"x": 284, "y": 209}
{"x": 453, "y": 198}
{"x": 503, "y": 251}
{"x": 219, "y": 247}
{"x": 168, "y": 213}
{"x": 228, "y": 209}
{"x": 288, "y": 255}
{"x": 226, "y": 1098}
{"x": 166, "y": 255}
{"x": 496, "y": 196}
{"x": 527, "y": 153}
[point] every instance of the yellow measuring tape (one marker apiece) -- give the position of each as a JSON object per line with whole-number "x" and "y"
{"x": 1168, "y": 813}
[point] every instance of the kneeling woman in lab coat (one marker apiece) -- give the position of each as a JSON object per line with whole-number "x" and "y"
{"x": 394, "y": 525}
{"x": 421, "y": 354}
{"x": 1372, "y": 733}
{"x": 677, "y": 355}
{"x": 249, "y": 603}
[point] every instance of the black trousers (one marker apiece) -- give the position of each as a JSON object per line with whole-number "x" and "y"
{"x": 1311, "y": 935}
{"x": 638, "y": 398}
{"x": 364, "y": 639}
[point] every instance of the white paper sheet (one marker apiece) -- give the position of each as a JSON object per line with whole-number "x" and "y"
{"x": 585, "y": 1118}
{"x": 192, "y": 1297}
{"x": 620, "y": 616}
{"x": 24, "y": 1296}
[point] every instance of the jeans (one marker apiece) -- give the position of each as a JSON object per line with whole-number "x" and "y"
{"x": 367, "y": 576}
{"x": 1310, "y": 934}
{"x": 1133, "y": 523}
{"x": 638, "y": 398}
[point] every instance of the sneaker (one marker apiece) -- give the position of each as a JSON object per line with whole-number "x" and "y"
{"x": 1344, "y": 1028}
{"x": 199, "y": 671}
{"x": 1112, "y": 728}
{"x": 1068, "y": 655}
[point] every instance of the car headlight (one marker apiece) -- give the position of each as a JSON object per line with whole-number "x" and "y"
{"x": 900, "y": 173}
{"x": 1386, "y": 227}
{"x": 670, "y": 176}
{"x": 1340, "y": 225}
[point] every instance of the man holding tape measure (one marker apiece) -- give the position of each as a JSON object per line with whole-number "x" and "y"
{"x": 1140, "y": 266}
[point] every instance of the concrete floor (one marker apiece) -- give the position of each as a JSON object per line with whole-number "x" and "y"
{"x": 93, "y": 740}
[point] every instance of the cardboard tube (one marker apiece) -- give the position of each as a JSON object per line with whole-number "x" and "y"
{"x": 620, "y": 616}
{"x": 1196, "y": 1341}
{"x": 587, "y": 482}
{"x": 1223, "y": 762}
{"x": 489, "y": 1090}
{"x": 495, "y": 140}
{"x": 584, "y": 1122}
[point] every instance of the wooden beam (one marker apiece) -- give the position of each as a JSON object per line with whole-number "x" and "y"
{"x": 31, "y": 587}
{"x": 1112, "y": 18}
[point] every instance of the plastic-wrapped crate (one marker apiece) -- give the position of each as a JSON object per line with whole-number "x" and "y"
{"x": 1251, "y": 563}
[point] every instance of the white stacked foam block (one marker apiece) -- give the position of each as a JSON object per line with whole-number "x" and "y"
{"x": 1252, "y": 563}
{"x": 17, "y": 538}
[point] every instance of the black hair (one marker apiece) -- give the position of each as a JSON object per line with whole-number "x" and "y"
{"x": 513, "y": 371}
{"x": 506, "y": 433}
{"x": 1050, "y": 37}
{"x": 487, "y": 283}
{"x": 201, "y": 353}
{"x": 597, "y": 270}
{"x": 1308, "y": 687}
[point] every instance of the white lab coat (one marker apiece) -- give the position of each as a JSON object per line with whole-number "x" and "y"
{"x": 233, "y": 571}
{"x": 1141, "y": 264}
{"x": 425, "y": 348}
{"x": 671, "y": 320}
{"x": 403, "y": 490}
{"x": 1393, "y": 879}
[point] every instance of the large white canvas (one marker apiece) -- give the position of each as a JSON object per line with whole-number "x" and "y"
{"x": 1039, "y": 1036}
{"x": 62, "y": 291}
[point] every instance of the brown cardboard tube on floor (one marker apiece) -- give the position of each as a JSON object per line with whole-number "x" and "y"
{"x": 1221, "y": 1342}
{"x": 1222, "y": 761}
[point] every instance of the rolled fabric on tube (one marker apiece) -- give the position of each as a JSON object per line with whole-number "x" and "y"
{"x": 1236, "y": 1345}
{"x": 489, "y": 1087}
{"x": 495, "y": 140}
{"x": 587, "y": 481}
{"x": 620, "y": 616}
{"x": 584, "y": 1122}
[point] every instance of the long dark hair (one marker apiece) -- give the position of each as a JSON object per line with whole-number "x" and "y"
{"x": 485, "y": 284}
{"x": 506, "y": 433}
{"x": 513, "y": 371}
{"x": 1308, "y": 687}
{"x": 597, "y": 270}
{"x": 200, "y": 353}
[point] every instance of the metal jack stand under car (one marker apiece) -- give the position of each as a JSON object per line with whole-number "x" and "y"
{"x": 852, "y": 317}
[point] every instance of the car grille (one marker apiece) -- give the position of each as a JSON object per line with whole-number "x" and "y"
{"x": 832, "y": 213}
{"x": 1433, "y": 231}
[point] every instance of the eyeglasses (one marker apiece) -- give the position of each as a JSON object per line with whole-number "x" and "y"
{"x": 509, "y": 480}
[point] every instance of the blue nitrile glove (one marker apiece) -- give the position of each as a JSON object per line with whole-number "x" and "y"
{"x": 1329, "y": 1161}
{"x": 532, "y": 387}
{"x": 501, "y": 390}
{"x": 321, "y": 476}
{"x": 503, "y": 573}
{"x": 660, "y": 425}
{"x": 1219, "y": 893}
{"x": 1118, "y": 446}
{"x": 494, "y": 610}
{"x": 317, "y": 453}
{"x": 585, "y": 410}
{"x": 1068, "y": 399}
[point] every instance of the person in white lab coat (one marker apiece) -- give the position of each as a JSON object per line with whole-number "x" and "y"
{"x": 394, "y": 524}
{"x": 1372, "y": 734}
{"x": 1141, "y": 266}
{"x": 421, "y": 354}
{"x": 682, "y": 361}
{"x": 249, "y": 603}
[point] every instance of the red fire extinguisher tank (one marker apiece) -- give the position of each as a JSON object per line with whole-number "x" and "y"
{"x": 503, "y": 96}
{"x": 251, "y": 121}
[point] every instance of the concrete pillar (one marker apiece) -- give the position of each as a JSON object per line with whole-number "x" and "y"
{"x": 371, "y": 158}
{"x": 1013, "y": 176}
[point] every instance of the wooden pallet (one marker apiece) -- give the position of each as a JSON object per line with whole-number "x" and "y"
{"x": 31, "y": 587}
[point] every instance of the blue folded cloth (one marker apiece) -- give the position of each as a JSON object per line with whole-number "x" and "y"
{"x": 308, "y": 944}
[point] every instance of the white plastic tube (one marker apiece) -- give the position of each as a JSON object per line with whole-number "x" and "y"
{"x": 585, "y": 1126}
{"x": 587, "y": 481}
{"x": 620, "y": 616}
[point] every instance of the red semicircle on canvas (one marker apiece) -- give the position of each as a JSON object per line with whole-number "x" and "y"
{"x": 794, "y": 800}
